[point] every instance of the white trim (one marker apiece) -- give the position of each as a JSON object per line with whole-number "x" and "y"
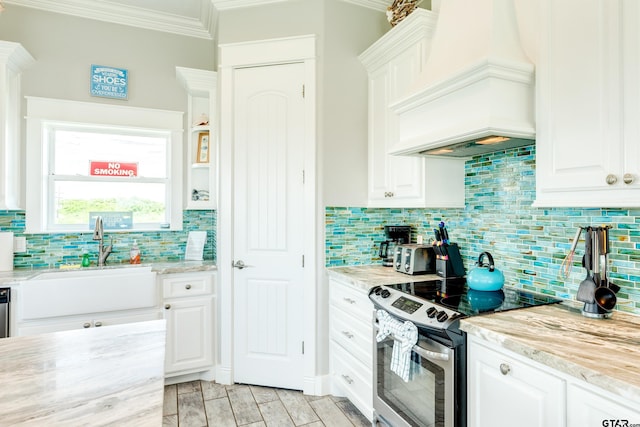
{"x": 266, "y": 52}
{"x": 237, "y": 4}
{"x": 40, "y": 110}
{"x": 203, "y": 27}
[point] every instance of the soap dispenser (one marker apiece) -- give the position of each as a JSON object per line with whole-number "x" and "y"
{"x": 134, "y": 253}
{"x": 86, "y": 262}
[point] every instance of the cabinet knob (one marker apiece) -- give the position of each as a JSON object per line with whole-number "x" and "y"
{"x": 628, "y": 178}
{"x": 347, "y": 334}
{"x": 388, "y": 194}
{"x": 187, "y": 286}
{"x": 349, "y": 300}
{"x": 86, "y": 325}
{"x": 97, "y": 324}
{"x": 505, "y": 368}
{"x": 611, "y": 179}
{"x": 167, "y": 306}
{"x": 347, "y": 378}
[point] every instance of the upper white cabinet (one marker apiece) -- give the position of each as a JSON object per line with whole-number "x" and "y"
{"x": 393, "y": 63}
{"x": 588, "y": 80}
{"x": 202, "y": 144}
{"x": 13, "y": 59}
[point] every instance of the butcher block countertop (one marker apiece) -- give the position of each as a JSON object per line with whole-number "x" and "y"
{"x": 603, "y": 352}
{"x": 112, "y": 375}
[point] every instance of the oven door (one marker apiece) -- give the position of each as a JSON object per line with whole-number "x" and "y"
{"x": 427, "y": 399}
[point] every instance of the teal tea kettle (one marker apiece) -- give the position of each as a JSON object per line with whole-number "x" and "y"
{"x": 485, "y": 277}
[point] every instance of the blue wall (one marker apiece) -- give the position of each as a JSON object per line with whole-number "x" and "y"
{"x": 527, "y": 243}
{"x": 53, "y": 250}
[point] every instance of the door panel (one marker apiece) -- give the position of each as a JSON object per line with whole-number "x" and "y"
{"x": 268, "y": 202}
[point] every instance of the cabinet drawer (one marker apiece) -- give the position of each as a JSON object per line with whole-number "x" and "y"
{"x": 187, "y": 285}
{"x": 353, "y": 378}
{"x": 354, "y": 336}
{"x": 350, "y": 300}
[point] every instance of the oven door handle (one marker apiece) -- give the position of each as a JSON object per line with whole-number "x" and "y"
{"x": 427, "y": 354}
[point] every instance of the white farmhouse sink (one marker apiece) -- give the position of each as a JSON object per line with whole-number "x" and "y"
{"x": 68, "y": 293}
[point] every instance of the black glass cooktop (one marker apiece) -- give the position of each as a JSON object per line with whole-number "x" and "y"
{"x": 455, "y": 294}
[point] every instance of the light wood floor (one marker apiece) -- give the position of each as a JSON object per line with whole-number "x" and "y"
{"x": 203, "y": 403}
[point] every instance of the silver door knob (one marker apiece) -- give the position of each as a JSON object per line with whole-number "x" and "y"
{"x": 239, "y": 264}
{"x": 628, "y": 178}
{"x": 97, "y": 324}
{"x": 86, "y": 325}
{"x": 611, "y": 179}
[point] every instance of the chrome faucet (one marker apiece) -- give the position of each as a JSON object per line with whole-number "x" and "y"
{"x": 98, "y": 234}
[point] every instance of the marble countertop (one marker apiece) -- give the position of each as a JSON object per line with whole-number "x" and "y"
{"x": 8, "y": 277}
{"x": 603, "y": 352}
{"x": 112, "y": 375}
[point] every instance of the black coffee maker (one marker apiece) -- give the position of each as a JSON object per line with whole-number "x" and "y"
{"x": 396, "y": 235}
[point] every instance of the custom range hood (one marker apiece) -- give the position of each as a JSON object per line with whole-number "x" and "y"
{"x": 476, "y": 92}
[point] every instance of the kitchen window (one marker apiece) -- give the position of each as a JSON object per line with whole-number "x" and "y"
{"x": 88, "y": 159}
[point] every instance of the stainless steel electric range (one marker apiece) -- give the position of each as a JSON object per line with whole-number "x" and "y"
{"x": 434, "y": 393}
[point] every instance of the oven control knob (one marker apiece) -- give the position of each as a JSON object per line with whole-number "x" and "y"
{"x": 431, "y": 312}
{"x": 385, "y": 293}
{"x": 442, "y": 316}
{"x": 377, "y": 290}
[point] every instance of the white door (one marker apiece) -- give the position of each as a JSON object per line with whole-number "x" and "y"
{"x": 268, "y": 225}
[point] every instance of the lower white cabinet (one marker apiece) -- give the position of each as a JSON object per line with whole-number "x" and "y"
{"x": 94, "y": 320}
{"x": 188, "y": 301}
{"x": 507, "y": 389}
{"x": 351, "y": 344}
{"x": 504, "y": 390}
{"x": 589, "y": 407}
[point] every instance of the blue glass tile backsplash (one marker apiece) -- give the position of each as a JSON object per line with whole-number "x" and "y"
{"x": 527, "y": 243}
{"x": 54, "y": 250}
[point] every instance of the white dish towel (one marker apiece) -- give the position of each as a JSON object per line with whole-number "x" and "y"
{"x": 406, "y": 336}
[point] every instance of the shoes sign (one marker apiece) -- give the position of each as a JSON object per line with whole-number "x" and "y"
{"x": 109, "y": 82}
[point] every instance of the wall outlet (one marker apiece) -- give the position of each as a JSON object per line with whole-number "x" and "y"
{"x": 20, "y": 244}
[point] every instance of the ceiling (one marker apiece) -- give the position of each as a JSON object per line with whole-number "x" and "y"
{"x": 194, "y": 18}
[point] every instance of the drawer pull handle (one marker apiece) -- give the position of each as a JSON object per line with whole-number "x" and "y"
{"x": 349, "y": 300}
{"x": 505, "y": 368}
{"x": 97, "y": 324}
{"x": 347, "y": 378}
{"x": 187, "y": 286}
{"x": 86, "y": 325}
{"x": 347, "y": 334}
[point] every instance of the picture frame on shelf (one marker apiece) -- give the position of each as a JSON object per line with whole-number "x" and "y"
{"x": 202, "y": 155}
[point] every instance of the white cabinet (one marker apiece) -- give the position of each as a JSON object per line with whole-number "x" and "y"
{"x": 189, "y": 311}
{"x": 13, "y": 59}
{"x": 95, "y": 320}
{"x": 351, "y": 344}
{"x": 589, "y": 407}
{"x": 506, "y": 390}
{"x": 587, "y": 147}
{"x": 201, "y": 139}
{"x": 393, "y": 64}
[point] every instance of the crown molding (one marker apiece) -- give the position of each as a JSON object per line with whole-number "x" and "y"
{"x": 205, "y": 27}
{"x": 379, "y": 5}
{"x": 129, "y": 15}
{"x": 237, "y": 4}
